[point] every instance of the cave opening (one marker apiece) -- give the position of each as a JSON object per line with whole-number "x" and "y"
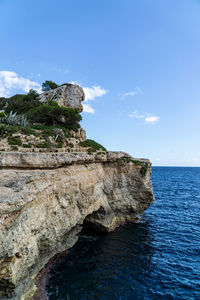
{"x": 93, "y": 223}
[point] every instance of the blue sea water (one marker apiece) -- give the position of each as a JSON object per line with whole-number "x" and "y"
{"x": 157, "y": 258}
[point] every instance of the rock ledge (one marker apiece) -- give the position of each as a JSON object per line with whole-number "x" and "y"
{"x": 46, "y": 198}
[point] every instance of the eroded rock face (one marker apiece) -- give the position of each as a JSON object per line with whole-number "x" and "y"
{"x": 69, "y": 95}
{"x": 44, "y": 202}
{"x": 56, "y": 160}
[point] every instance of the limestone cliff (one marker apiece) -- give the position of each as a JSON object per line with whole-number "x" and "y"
{"x": 68, "y": 95}
{"x": 46, "y": 197}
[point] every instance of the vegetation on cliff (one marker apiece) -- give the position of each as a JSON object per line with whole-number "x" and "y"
{"x": 49, "y": 85}
{"x": 92, "y": 145}
{"x": 28, "y": 122}
{"x": 142, "y": 164}
{"x": 48, "y": 113}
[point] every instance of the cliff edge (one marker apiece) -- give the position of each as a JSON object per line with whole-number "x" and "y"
{"x": 47, "y": 198}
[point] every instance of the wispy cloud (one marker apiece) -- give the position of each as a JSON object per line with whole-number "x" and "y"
{"x": 152, "y": 119}
{"x": 90, "y": 94}
{"x": 136, "y": 91}
{"x": 147, "y": 117}
{"x": 10, "y": 80}
{"x": 66, "y": 70}
{"x": 135, "y": 114}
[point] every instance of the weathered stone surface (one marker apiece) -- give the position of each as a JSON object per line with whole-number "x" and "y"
{"x": 79, "y": 134}
{"x": 69, "y": 95}
{"x": 45, "y": 198}
{"x": 55, "y": 160}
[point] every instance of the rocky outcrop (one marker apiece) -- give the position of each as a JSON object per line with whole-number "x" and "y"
{"x": 46, "y": 198}
{"x": 68, "y": 95}
{"x": 55, "y": 140}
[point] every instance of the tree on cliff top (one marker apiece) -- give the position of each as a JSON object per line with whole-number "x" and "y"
{"x": 50, "y": 113}
{"x": 49, "y": 85}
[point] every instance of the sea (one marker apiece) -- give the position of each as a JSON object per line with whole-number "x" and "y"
{"x": 156, "y": 258}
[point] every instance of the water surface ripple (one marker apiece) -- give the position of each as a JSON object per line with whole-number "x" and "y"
{"x": 157, "y": 258}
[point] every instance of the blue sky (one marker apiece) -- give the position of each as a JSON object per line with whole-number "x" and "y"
{"x": 139, "y": 62}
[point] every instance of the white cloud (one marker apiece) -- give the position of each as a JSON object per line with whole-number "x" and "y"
{"x": 148, "y": 118}
{"x": 152, "y": 119}
{"x": 10, "y": 80}
{"x": 90, "y": 94}
{"x": 88, "y": 109}
{"x": 93, "y": 92}
{"x": 136, "y": 91}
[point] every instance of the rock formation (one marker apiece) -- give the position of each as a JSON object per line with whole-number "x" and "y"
{"x": 47, "y": 198}
{"x": 68, "y": 95}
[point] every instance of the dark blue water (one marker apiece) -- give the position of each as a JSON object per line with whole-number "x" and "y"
{"x": 158, "y": 258}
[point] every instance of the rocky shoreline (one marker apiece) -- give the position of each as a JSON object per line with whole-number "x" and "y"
{"x": 45, "y": 199}
{"x": 41, "y": 279}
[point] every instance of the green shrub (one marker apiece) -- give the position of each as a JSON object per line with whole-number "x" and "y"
{"x": 60, "y": 139}
{"x": 144, "y": 165}
{"x": 27, "y": 145}
{"x": 3, "y": 129}
{"x": 70, "y": 145}
{"x": 41, "y": 127}
{"x": 7, "y": 130}
{"x": 22, "y": 103}
{"x": 47, "y": 132}
{"x": 92, "y": 144}
{"x": 50, "y": 113}
{"x": 144, "y": 169}
{"x": 91, "y": 150}
{"x": 28, "y": 131}
{"x": 68, "y": 84}
{"x": 2, "y": 102}
{"x": 59, "y": 145}
{"x": 15, "y": 148}
{"x": 129, "y": 159}
{"x": 14, "y": 141}
{"x": 43, "y": 145}
{"x": 15, "y": 103}
{"x": 100, "y": 153}
{"x": 49, "y": 85}
{"x": 2, "y": 115}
